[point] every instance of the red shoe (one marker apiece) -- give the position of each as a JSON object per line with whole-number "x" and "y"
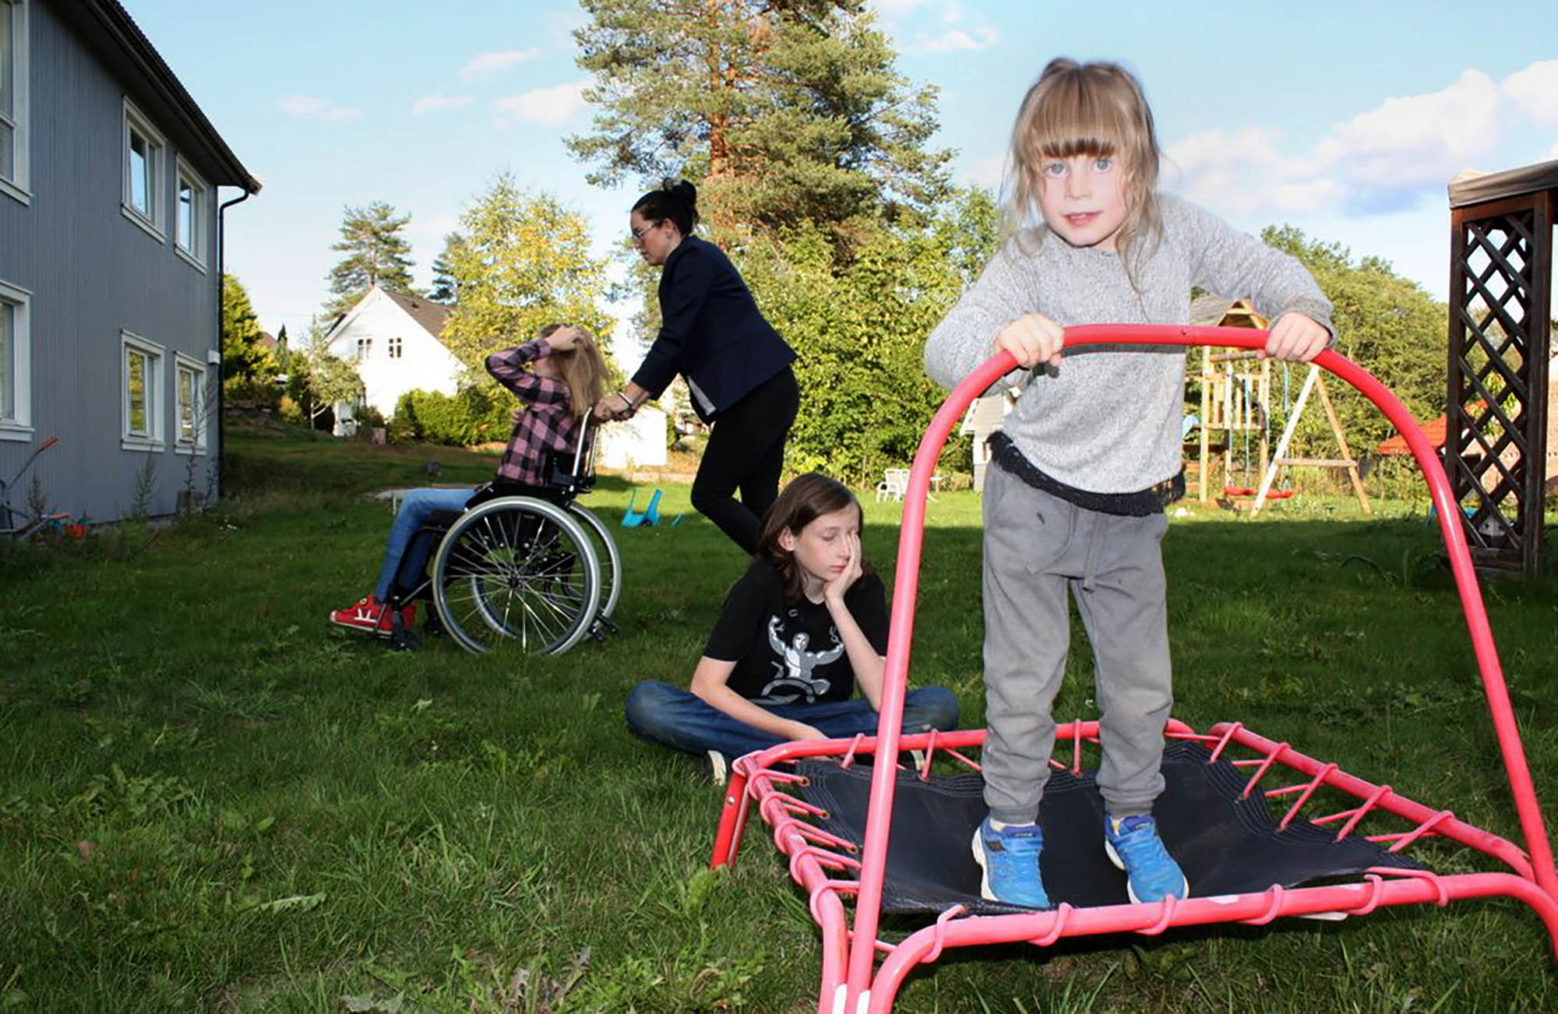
{"x": 370, "y": 616}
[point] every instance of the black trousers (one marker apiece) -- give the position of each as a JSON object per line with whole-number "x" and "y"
{"x": 745, "y": 453}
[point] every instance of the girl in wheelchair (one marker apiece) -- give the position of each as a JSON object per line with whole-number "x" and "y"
{"x": 559, "y": 376}
{"x": 804, "y": 626}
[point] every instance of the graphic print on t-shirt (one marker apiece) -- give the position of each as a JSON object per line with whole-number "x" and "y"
{"x": 795, "y": 677}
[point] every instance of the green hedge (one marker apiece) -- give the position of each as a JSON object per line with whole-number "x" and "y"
{"x": 473, "y": 416}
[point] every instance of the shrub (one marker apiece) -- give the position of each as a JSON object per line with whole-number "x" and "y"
{"x": 472, "y": 416}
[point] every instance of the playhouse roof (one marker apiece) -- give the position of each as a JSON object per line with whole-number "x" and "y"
{"x": 1433, "y": 429}
{"x": 1218, "y": 311}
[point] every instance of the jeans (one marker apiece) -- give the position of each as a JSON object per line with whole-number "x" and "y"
{"x": 746, "y": 452}
{"x": 415, "y": 508}
{"x": 680, "y": 720}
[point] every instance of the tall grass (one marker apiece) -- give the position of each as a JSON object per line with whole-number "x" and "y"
{"x": 214, "y": 801}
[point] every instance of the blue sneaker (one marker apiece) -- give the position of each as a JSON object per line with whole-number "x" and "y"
{"x": 1010, "y": 861}
{"x": 1151, "y": 874}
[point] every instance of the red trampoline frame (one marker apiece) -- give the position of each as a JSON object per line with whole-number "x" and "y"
{"x": 852, "y": 980}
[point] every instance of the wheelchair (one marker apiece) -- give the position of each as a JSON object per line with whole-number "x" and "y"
{"x": 520, "y": 563}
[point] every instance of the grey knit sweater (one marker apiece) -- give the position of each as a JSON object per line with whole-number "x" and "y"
{"x": 1108, "y": 420}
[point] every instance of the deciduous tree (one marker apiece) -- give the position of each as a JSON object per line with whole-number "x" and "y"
{"x": 521, "y": 260}
{"x": 1386, "y": 324}
{"x": 861, "y": 329}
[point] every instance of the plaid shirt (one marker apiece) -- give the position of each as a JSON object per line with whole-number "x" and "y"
{"x": 547, "y": 423}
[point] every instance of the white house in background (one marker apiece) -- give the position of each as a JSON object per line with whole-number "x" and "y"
{"x": 638, "y": 442}
{"x": 394, "y": 340}
{"x": 984, "y": 417}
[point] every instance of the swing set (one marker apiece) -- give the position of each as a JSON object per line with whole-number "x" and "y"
{"x": 1236, "y": 403}
{"x": 1317, "y": 842}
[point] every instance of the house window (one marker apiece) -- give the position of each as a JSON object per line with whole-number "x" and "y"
{"x": 189, "y": 383}
{"x": 364, "y": 347}
{"x": 13, "y": 99}
{"x": 144, "y": 151}
{"x": 143, "y": 397}
{"x": 190, "y": 216}
{"x": 396, "y": 347}
{"x": 15, "y": 364}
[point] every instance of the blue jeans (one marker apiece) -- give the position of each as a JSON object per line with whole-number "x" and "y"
{"x": 680, "y": 720}
{"x": 415, "y": 508}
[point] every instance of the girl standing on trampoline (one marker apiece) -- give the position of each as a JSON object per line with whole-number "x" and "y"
{"x": 736, "y": 365}
{"x": 803, "y": 627}
{"x": 1090, "y": 456}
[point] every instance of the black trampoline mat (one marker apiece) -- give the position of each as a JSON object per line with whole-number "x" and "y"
{"x": 1225, "y": 845}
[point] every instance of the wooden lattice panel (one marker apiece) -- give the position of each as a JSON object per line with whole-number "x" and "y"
{"x": 1501, "y": 265}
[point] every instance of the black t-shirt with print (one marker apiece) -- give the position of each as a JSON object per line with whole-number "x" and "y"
{"x": 791, "y": 653}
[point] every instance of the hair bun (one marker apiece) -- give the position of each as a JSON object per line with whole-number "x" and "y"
{"x": 682, "y": 190}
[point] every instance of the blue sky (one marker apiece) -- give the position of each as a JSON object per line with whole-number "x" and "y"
{"x": 1345, "y": 119}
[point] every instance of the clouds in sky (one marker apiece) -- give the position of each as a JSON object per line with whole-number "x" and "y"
{"x": 953, "y": 39}
{"x": 437, "y": 102}
{"x": 308, "y": 107}
{"x": 1535, "y": 91}
{"x": 491, "y": 62}
{"x": 543, "y": 106}
{"x": 1382, "y": 160}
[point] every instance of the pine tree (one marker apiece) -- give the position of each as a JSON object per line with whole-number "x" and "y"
{"x": 446, "y": 288}
{"x": 522, "y": 261}
{"x": 376, "y": 254}
{"x": 246, "y": 364}
{"x": 782, "y": 111}
{"x": 283, "y": 348}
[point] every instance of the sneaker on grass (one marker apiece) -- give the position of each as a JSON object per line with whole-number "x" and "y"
{"x": 371, "y": 616}
{"x": 1151, "y": 874}
{"x": 1009, "y": 857}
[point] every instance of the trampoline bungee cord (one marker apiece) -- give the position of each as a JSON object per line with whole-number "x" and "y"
{"x": 802, "y": 789}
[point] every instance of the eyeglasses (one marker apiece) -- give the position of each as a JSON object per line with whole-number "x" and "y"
{"x": 639, "y": 234}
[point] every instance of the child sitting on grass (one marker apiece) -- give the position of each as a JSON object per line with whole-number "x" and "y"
{"x": 800, "y": 630}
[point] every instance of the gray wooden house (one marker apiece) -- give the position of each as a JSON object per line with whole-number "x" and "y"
{"x": 110, "y": 264}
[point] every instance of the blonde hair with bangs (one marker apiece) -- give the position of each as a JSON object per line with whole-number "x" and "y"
{"x": 1095, "y": 109}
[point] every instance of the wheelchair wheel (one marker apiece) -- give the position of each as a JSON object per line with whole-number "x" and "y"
{"x": 519, "y": 569}
{"x": 610, "y": 559}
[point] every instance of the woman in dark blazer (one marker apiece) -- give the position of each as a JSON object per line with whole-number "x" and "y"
{"x": 736, "y": 365}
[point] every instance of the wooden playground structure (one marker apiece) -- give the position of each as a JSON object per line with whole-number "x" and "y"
{"x": 1236, "y": 414}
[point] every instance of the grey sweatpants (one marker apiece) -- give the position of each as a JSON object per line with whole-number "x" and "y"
{"x": 1037, "y": 548}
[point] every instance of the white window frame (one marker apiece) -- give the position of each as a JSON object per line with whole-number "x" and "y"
{"x": 156, "y": 395}
{"x": 151, "y": 219}
{"x": 182, "y": 365}
{"x": 17, "y": 184}
{"x": 16, "y": 306}
{"x": 364, "y": 348}
{"x": 396, "y": 347}
{"x": 193, "y": 246}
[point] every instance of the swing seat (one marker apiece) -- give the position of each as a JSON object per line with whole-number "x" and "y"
{"x": 1262, "y": 830}
{"x": 648, "y": 516}
{"x": 1245, "y": 491}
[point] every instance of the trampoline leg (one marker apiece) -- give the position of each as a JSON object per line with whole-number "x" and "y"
{"x": 733, "y": 818}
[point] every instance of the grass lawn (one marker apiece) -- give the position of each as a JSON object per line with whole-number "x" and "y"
{"x": 213, "y": 800}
